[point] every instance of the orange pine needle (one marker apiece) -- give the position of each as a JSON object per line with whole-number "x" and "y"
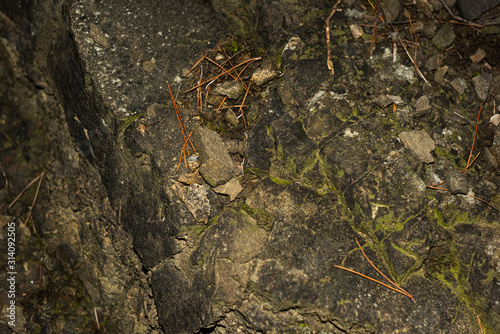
{"x": 199, "y": 61}
{"x": 182, "y": 152}
{"x": 479, "y": 321}
{"x": 394, "y": 284}
{"x": 225, "y": 97}
{"x": 374, "y": 280}
{"x": 474, "y": 141}
{"x": 482, "y": 200}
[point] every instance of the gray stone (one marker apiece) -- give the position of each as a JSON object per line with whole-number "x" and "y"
{"x": 231, "y": 188}
{"x": 459, "y": 84}
{"x": 422, "y": 105}
{"x": 391, "y": 9}
{"x": 471, "y": 9}
{"x": 439, "y": 74}
{"x": 382, "y": 100}
{"x": 444, "y": 37}
{"x": 231, "y": 89}
{"x": 265, "y": 73}
{"x": 420, "y": 143}
{"x": 217, "y": 167}
{"x": 456, "y": 182}
{"x": 482, "y": 85}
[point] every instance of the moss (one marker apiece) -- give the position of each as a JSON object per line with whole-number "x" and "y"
{"x": 279, "y": 180}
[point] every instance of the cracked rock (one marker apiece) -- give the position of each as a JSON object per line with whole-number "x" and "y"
{"x": 420, "y": 143}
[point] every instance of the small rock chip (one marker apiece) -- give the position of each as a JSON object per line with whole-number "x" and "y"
{"x": 422, "y": 105}
{"x": 190, "y": 178}
{"x": 397, "y": 100}
{"x": 356, "y": 31}
{"x": 440, "y": 73}
{"x": 231, "y": 89}
{"x": 420, "y": 143}
{"x": 433, "y": 62}
{"x": 478, "y": 56}
{"x": 456, "y": 182}
{"x": 382, "y": 100}
{"x": 459, "y": 84}
{"x": 231, "y": 188}
{"x": 444, "y": 37}
{"x": 98, "y": 36}
{"x": 149, "y": 65}
{"x": 482, "y": 85}
{"x": 391, "y": 9}
{"x": 231, "y": 117}
{"x": 264, "y": 74}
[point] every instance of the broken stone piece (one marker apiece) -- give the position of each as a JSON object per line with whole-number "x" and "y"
{"x": 420, "y": 143}
{"x": 422, "y": 105}
{"x": 217, "y": 167}
{"x": 440, "y": 73}
{"x": 459, "y": 84}
{"x": 478, "y": 56}
{"x": 456, "y": 182}
{"x": 444, "y": 37}
{"x": 231, "y": 89}
{"x": 190, "y": 178}
{"x": 382, "y": 100}
{"x": 231, "y": 188}
{"x": 356, "y": 30}
{"x": 482, "y": 85}
{"x": 195, "y": 197}
{"x": 264, "y": 74}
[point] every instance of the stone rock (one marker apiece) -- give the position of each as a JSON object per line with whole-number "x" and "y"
{"x": 439, "y": 74}
{"x": 471, "y": 9}
{"x": 356, "y": 30}
{"x": 196, "y": 200}
{"x": 231, "y": 188}
{"x": 481, "y": 85}
{"x": 478, "y": 55}
{"x": 382, "y": 100}
{"x": 190, "y": 178}
{"x": 231, "y": 118}
{"x": 217, "y": 167}
{"x": 422, "y": 106}
{"x": 265, "y": 73}
{"x": 459, "y": 84}
{"x": 444, "y": 37}
{"x": 231, "y": 89}
{"x": 456, "y": 182}
{"x": 420, "y": 143}
{"x": 391, "y": 9}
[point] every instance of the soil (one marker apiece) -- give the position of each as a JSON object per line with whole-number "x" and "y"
{"x": 116, "y": 233}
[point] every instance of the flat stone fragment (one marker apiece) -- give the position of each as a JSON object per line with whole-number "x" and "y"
{"x": 478, "y": 55}
{"x": 440, "y": 73}
{"x": 456, "y": 182}
{"x": 231, "y": 188}
{"x": 420, "y": 143}
{"x": 231, "y": 89}
{"x": 459, "y": 84}
{"x": 444, "y": 37}
{"x": 356, "y": 30}
{"x": 482, "y": 85}
{"x": 422, "y": 105}
{"x": 217, "y": 167}
{"x": 264, "y": 74}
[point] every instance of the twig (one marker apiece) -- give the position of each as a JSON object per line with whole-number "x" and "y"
{"x": 371, "y": 279}
{"x": 34, "y": 199}
{"x": 482, "y": 200}
{"x": 479, "y": 321}
{"x": 413, "y": 61}
{"x": 220, "y": 105}
{"x": 241, "y": 108}
{"x": 394, "y": 284}
{"x": 179, "y": 118}
{"x": 96, "y": 319}
{"x": 474, "y": 141}
{"x": 329, "y": 63}
{"x": 25, "y": 188}
{"x": 183, "y": 153}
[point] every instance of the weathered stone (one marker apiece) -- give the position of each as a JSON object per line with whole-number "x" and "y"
{"x": 265, "y": 73}
{"x": 391, "y": 9}
{"x": 459, "y": 84}
{"x": 478, "y": 55}
{"x": 231, "y": 188}
{"x": 422, "y": 105}
{"x": 356, "y": 30}
{"x": 232, "y": 89}
{"x": 444, "y": 37}
{"x": 481, "y": 85}
{"x": 456, "y": 182}
{"x": 382, "y": 100}
{"x": 439, "y": 74}
{"x": 217, "y": 167}
{"x": 420, "y": 143}
{"x": 196, "y": 200}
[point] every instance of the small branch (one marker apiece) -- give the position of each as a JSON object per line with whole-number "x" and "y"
{"x": 329, "y": 63}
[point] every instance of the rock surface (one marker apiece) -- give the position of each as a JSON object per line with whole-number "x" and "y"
{"x": 116, "y": 243}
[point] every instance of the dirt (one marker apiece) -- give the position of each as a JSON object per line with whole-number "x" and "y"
{"x": 120, "y": 241}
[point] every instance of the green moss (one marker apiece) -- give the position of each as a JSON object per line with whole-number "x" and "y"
{"x": 280, "y": 181}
